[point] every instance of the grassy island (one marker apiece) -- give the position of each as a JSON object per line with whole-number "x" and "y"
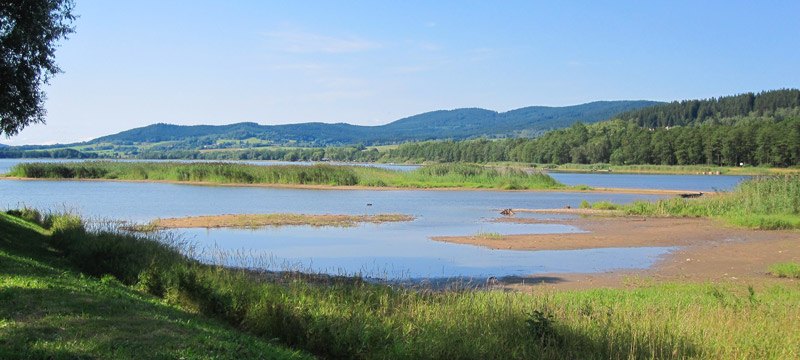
{"x": 435, "y": 176}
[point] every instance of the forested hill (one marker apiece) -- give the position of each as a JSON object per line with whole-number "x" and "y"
{"x": 727, "y": 110}
{"x": 457, "y": 124}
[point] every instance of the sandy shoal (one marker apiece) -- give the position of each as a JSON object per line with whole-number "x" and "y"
{"x": 706, "y": 250}
{"x": 263, "y": 220}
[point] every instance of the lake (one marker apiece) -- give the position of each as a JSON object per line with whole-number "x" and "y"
{"x": 392, "y": 251}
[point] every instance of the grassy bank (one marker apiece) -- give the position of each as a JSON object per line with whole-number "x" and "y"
{"x": 50, "y": 311}
{"x": 660, "y": 169}
{"x": 348, "y": 318}
{"x": 765, "y": 202}
{"x": 435, "y": 176}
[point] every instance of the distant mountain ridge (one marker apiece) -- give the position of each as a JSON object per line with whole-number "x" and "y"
{"x": 458, "y": 124}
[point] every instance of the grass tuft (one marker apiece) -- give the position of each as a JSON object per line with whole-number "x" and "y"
{"x": 790, "y": 270}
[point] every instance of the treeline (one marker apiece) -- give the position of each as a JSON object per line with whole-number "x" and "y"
{"x": 755, "y": 142}
{"x": 357, "y": 153}
{"x": 716, "y": 110}
{"x": 16, "y": 153}
{"x": 621, "y": 142}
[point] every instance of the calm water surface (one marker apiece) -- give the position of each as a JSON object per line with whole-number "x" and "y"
{"x": 396, "y": 250}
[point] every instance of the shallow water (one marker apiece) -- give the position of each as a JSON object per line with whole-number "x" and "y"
{"x": 392, "y": 250}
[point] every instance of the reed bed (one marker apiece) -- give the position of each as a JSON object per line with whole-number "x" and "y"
{"x": 770, "y": 202}
{"x": 436, "y": 176}
{"x": 338, "y": 317}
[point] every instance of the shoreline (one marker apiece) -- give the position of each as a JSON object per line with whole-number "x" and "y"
{"x": 362, "y": 187}
{"x": 705, "y": 251}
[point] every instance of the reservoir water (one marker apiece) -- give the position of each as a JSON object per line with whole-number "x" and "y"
{"x": 393, "y": 251}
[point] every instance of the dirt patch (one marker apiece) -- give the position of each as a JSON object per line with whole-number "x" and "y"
{"x": 262, "y": 220}
{"x": 708, "y": 250}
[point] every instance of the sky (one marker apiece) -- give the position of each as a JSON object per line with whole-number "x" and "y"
{"x": 132, "y": 64}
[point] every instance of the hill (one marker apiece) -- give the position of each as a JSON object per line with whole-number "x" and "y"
{"x": 459, "y": 124}
{"x": 725, "y": 109}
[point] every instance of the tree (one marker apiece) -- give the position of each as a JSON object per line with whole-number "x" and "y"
{"x": 29, "y": 30}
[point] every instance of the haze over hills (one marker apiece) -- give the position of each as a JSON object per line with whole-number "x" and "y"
{"x": 456, "y": 124}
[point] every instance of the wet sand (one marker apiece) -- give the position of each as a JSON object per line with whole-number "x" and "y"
{"x": 263, "y": 220}
{"x": 708, "y": 251}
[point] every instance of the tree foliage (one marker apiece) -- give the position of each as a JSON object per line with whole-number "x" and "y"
{"x": 713, "y": 110}
{"x": 29, "y": 30}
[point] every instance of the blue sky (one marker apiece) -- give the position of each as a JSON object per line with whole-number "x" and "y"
{"x": 131, "y": 64}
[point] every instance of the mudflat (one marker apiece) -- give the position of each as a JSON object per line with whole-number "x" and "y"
{"x": 707, "y": 250}
{"x": 262, "y": 220}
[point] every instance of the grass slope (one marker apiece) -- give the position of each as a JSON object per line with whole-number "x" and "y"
{"x": 49, "y": 311}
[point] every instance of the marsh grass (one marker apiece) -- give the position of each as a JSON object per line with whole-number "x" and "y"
{"x": 600, "y": 205}
{"x": 489, "y": 235}
{"x": 435, "y": 176}
{"x": 771, "y": 202}
{"x": 338, "y": 317}
{"x": 790, "y": 270}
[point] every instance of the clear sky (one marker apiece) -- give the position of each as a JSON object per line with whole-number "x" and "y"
{"x": 135, "y": 63}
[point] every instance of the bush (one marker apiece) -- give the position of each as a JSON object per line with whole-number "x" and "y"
{"x": 27, "y": 214}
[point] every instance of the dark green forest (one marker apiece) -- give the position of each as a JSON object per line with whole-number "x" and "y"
{"x": 458, "y": 124}
{"x": 723, "y": 110}
{"x": 752, "y": 129}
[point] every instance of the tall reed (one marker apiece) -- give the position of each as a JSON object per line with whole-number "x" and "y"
{"x": 436, "y": 176}
{"x": 771, "y": 202}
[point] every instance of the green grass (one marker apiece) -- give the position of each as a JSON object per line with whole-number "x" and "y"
{"x": 766, "y": 202}
{"x": 790, "y": 270}
{"x": 435, "y": 176}
{"x": 489, "y": 235}
{"x": 600, "y": 205}
{"x": 48, "y": 309}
